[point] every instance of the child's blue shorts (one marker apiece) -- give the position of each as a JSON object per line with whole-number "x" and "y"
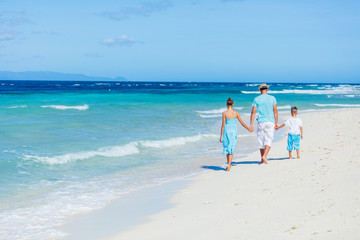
{"x": 293, "y": 142}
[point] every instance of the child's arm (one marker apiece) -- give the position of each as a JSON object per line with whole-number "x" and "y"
{"x": 278, "y": 127}
{"x": 222, "y": 126}
{"x": 301, "y": 131}
{"x": 242, "y": 123}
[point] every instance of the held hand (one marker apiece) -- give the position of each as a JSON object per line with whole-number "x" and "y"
{"x": 277, "y": 126}
{"x": 221, "y": 139}
{"x": 302, "y": 137}
{"x": 251, "y": 128}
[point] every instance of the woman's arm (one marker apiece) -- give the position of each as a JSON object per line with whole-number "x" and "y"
{"x": 242, "y": 122}
{"x": 222, "y": 126}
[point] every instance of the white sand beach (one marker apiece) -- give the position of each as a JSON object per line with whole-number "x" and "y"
{"x": 315, "y": 197}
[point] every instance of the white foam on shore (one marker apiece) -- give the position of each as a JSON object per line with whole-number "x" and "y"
{"x": 18, "y": 106}
{"x": 336, "y": 105}
{"x": 116, "y": 151}
{"x": 40, "y": 220}
{"x": 63, "y": 107}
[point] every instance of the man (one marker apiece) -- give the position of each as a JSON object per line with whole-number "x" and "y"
{"x": 267, "y": 120}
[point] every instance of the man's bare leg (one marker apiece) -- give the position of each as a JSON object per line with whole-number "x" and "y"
{"x": 290, "y": 157}
{"x": 262, "y": 153}
{"x": 264, "y": 156}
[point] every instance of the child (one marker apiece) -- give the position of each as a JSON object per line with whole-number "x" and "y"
{"x": 228, "y": 133}
{"x": 295, "y": 131}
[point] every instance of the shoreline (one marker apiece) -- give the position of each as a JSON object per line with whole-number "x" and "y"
{"x": 122, "y": 213}
{"x": 76, "y": 226}
{"x": 213, "y": 206}
{"x": 77, "y": 223}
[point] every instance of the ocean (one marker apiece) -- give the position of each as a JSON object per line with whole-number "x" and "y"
{"x": 72, "y": 146}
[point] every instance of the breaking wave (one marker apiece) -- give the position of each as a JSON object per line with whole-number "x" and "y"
{"x": 63, "y": 107}
{"x": 117, "y": 151}
{"x": 336, "y": 105}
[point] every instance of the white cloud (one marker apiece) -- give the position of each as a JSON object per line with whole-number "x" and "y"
{"x": 233, "y": 0}
{"x": 144, "y": 9}
{"x": 6, "y": 35}
{"x": 50, "y": 33}
{"x": 93, "y": 55}
{"x": 13, "y": 18}
{"x": 122, "y": 40}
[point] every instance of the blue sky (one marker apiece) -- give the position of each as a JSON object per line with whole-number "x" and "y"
{"x": 188, "y": 40}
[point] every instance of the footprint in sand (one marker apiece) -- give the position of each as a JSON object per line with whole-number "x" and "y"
{"x": 291, "y": 229}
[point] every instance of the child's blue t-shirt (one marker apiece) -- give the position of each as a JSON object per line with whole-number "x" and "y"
{"x": 265, "y": 107}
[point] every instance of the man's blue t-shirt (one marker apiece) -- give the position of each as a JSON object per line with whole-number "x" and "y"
{"x": 265, "y": 107}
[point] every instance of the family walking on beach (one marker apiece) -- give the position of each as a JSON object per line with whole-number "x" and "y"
{"x": 266, "y": 107}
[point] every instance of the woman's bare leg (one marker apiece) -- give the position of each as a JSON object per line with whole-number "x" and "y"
{"x": 229, "y": 157}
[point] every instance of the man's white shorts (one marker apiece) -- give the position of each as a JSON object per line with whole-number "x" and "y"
{"x": 265, "y": 134}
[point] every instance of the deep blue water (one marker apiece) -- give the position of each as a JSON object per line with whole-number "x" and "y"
{"x": 74, "y": 146}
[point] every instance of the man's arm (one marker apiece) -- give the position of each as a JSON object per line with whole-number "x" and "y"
{"x": 301, "y": 131}
{"x": 252, "y": 117}
{"x": 276, "y": 115}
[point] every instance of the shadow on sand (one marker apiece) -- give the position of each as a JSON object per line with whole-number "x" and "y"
{"x": 219, "y": 168}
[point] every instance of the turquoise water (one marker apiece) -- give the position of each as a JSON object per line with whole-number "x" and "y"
{"x": 68, "y": 147}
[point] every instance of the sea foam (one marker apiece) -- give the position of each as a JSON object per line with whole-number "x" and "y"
{"x": 174, "y": 141}
{"x": 117, "y": 151}
{"x": 214, "y": 113}
{"x": 18, "y": 106}
{"x": 284, "y": 107}
{"x": 336, "y": 105}
{"x": 326, "y": 90}
{"x": 220, "y": 110}
{"x": 63, "y": 107}
{"x": 210, "y": 115}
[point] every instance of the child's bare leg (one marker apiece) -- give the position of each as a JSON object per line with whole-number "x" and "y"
{"x": 290, "y": 157}
{"x": 230, "y": 156}
{"x": 298, "y": 153}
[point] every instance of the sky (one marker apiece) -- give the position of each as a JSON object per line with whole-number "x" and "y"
{"x": 187, "y": 40}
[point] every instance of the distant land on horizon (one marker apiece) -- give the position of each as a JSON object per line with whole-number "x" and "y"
{"x": 53, "y": 76}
